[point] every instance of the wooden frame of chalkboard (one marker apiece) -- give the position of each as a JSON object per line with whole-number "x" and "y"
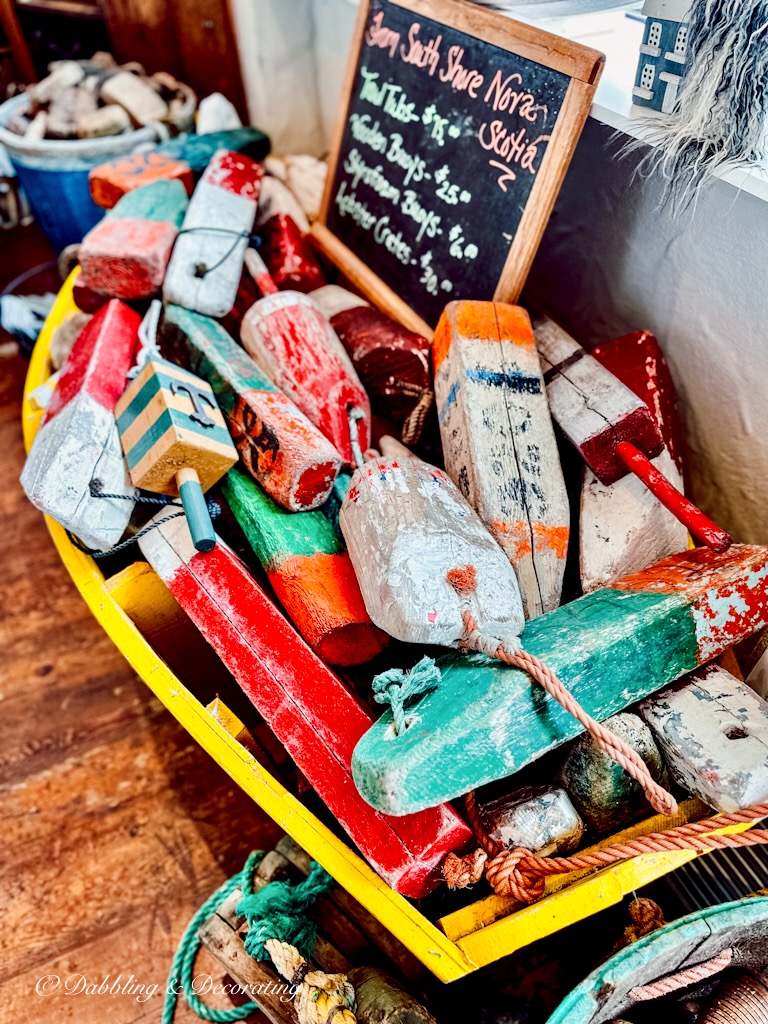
{"x": 442, "y": 65}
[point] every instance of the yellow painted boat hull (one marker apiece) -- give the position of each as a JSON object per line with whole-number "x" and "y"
{"x": 452, "y": 947}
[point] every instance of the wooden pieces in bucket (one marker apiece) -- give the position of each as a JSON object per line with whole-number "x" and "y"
{"x": 310, "y": 573}
{"x": 126, "y": 254}
{"x": 181, "y": 159}
{"x": 713, "y": 731}
{"x": 77, "y": 446}
{"x": 308, "y": 708}
{"x": 499, "y": 442}
{"x": 207, "y": 261}
{"x": 295, "y": 346}
{"x": 294, "y": 463}
{"x": 423, "y": 557}
{"x": 611, "y": 427}
{"x": 604, "y": 794}
{"x": 175, "y": 440}
{"x": 610, "y": 648}
{"x": 393, "y": 362}
{"x": 622, "y": 526}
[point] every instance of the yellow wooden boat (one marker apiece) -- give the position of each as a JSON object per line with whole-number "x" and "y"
{"x": 134, "y": 607}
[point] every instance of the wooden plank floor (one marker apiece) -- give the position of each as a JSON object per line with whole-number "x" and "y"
{"x": 114, "y": 825}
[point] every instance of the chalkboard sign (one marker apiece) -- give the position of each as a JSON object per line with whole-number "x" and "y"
{"x": 456, "y": 130}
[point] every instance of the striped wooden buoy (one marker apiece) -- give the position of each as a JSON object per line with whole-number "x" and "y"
{"x": 175, "y": 440}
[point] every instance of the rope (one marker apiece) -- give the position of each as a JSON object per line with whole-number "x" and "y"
{"x": 614, "y": 747}
{"x": 278, "y": 922}
{"x": 646, "y": 916}
{"x": 398, "y": 688}
{"x": 180, "y": 979}
{"x": 519, "y": 874}
{"x": 689, "y": 976}
{"x": 414, "y": 421}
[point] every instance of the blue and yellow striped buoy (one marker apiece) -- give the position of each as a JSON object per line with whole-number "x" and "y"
{"x": 175, "y": 440}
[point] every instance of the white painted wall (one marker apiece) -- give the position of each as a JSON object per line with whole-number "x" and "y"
{"x": 613, "y": 260}
{"x": 293, "y": 54}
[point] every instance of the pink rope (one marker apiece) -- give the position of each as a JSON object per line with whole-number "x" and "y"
{"x": 682, "y": 979}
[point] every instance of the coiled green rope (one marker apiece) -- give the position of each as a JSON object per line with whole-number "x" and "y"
{"x": 278, "y": 911}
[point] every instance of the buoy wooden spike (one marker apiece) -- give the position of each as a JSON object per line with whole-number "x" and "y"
{"x": 307, "y": 707}
{"x": 175, "y": 440}
{"x": 296, "y": 348}
{"x": 204, "y": 271}
{"x": 78, "y": 443}
{"x": 294, "y": 463}
{"x": 499, "y": 443}
{"x": 126, "y": 254}
{"x": 393, "y": 362}
{"x": 289, "y": 256}
{"x": 622, "y": 526}
{"x": 423, "y": 557}
{"x": 611, "y": 649}
{"x": 611, "y": 426}
{"x": 310, "y": 573}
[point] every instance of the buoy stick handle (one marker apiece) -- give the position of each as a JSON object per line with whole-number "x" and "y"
{"x": 257, "y": 268}
{"x": 196, "y": 510}
{"x": 700, "y": 525}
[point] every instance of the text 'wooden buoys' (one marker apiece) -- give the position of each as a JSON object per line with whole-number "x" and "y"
{"x": 310, "y": 573}
{"x": 78, "y": 445}
{"x": 393, "y": 362}
{"x": 294, "y": 463}
{"x": 610, "y": 648}
{"x": 207, "y": 260}
{"x": 175, "y": 440}
{"x": 499, "y": 443}
{"x": 423, "y": 557}
{"x": 127, "y": 253}
{"x": 295, "y": 346}
{"x": 307, "y": 707}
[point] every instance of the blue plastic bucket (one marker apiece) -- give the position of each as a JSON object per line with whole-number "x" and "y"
{"x": 54, "y": 174}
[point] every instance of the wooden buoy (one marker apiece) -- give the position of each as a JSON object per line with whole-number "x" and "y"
{"x": 86, "y": 299}
{"x": 423, "y": 557}
{"x": 181, "y": 159}
{"x": 382, "y": 1000}
{"x": 307, "y": 707}
{"x": 310, "y": 573}
{"x": 541, "y": 819}
{"x": 294, "y": 463}
{"x": 393, "y": 363}
{"x": 295, "y": 346}
{"x": 499, "y": 443}
{"x": 610, "y": 648}
{"x": 611, "y": 426}
{"x": 126, "y": 254}
{"x": 77, "y": 445}
{"x": 207, "y": 260}
{"x": 622, "y": 526}
{"x": 713, "y": 731}
{"x": 175, "y": 440}
{"x": 288, "y": 255}
{"x": 604, "y": 794}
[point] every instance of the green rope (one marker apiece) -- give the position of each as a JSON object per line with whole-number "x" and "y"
{"x": 278, "y": 911}
{"x": 399, "y": 688}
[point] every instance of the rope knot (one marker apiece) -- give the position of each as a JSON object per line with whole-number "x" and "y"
{"x": 398, "y": 688}
{"x": 460, "y": 872}
{"x": 509, "y": 875}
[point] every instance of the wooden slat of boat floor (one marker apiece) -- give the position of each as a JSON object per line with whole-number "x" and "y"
{"x": 114, "y": 825}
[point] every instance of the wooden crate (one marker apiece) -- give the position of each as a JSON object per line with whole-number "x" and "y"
{"x": 142, "y": 618}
